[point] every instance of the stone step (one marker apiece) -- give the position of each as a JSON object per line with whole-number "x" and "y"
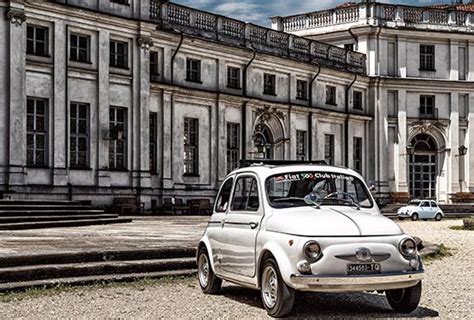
{"x": 61, "y": 223}
{"x": 55, "y": 271}
{"x": 48, "y": 283}
{"x": 27, "y": 202}
{"x": 83, "y": 256}
{"x": 33, "y": 218}
{"x": 26, "y": 213}
{"x": 38, "y": 207}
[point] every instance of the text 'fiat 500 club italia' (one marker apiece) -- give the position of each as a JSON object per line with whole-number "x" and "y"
{"x": 308, "y": 228}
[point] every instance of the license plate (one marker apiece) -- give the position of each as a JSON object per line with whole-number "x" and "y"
{"x": 365, "y": 268}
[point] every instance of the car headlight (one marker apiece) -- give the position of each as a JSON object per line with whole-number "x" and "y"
{"x": 312, "y": 251}
{"x": 407, "y": 247}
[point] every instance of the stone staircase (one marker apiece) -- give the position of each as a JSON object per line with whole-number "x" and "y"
{"x": 84, "y": 268}
{"x": 20, "y": 214}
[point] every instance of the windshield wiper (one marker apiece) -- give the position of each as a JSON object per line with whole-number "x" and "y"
{"x": 305, "y": 200}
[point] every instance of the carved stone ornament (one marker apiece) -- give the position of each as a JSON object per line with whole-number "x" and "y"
{"x": 16, "y": 17}
{"x": 145, "y": 43}
{"x": 266, "y": 112}
{"x": 424, "y": 126}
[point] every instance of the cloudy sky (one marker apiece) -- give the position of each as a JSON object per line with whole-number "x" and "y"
{"x": 258, "y": 11}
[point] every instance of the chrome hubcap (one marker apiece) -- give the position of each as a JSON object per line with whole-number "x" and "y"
{"x": 270, "y": 287}
{"x": 203, "y": 270}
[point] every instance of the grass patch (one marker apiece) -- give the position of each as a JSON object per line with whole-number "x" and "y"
{"x": 461, "y": 228}
{"x": 442, "y": 253}
{"x": 38, "y": 292}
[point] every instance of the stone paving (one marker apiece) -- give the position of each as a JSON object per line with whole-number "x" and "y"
{"x": 142, "y": 233}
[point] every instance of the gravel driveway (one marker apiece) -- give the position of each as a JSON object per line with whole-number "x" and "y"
{"x": 447, "y": 294}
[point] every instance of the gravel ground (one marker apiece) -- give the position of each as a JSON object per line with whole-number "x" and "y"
{"x": 448, "y": 293}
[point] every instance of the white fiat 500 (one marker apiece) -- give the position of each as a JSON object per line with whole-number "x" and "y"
{"x": 281, "y": 228}
{"x": 421, "y": 209}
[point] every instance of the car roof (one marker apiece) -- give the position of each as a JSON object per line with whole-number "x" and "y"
{"x": 264, "y": 171}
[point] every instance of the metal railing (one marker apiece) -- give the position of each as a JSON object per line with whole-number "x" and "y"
{"x": 174, "y": 17}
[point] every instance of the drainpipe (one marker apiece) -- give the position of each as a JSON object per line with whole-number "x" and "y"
{"x": 346, "y": 123}
{"x": 244, "y": 106}
{"x": 174, "y": 56}
{"x": 356, "y": 38}
{"x": 310, "y": 116}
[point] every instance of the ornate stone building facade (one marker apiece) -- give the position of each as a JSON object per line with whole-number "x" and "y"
{"x": 421, "y": 64}
{"x": 103, "y": 99}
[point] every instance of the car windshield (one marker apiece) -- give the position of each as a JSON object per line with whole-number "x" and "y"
{"x": 414, "y": 203}
{"x": 297, "y": 189}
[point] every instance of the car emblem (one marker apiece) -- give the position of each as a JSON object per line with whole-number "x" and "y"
{"x": 363, "y": 254}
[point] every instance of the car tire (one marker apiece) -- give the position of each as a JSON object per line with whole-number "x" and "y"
{"x": 414, "y": 217}
{"x": 439, "y": 217}
{"x": 404, "y": 300}
{"x": 277, "y": 297}
{"x": 208, "y": 281}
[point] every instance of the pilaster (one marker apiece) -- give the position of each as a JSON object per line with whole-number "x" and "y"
{"x": 402, "y": 142}
{"x": 454, "y": 143}
{"x": 17, "y": 98}
{"x": 103, "y": 108}
{"x": 60, "y": 105}
{"x": 167, "y": 145}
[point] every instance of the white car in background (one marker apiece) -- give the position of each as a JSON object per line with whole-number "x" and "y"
{"x": 421, "y": 209}
{"x": 287, "y": 228}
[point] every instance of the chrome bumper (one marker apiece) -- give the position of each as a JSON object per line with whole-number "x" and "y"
{"x": 357, "y": 283}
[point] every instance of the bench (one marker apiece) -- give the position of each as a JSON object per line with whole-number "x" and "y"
{"x": 174, "y": 207}
{"x": 129, "y": 205}
{"x": 200, "y": 206}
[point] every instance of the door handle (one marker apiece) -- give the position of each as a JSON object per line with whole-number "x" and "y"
{"x": 253, "y": 225}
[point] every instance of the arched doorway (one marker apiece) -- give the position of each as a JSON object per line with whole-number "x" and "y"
{"x": 264, "y": 142}
{"x": 423, "y": 167}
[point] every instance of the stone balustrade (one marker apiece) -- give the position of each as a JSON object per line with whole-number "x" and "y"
{"x": 198, "y": 23}
{"x": 378, "y": 14}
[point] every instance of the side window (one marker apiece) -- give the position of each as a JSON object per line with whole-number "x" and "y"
{"x": 222, "y": 202}
{"x": 434, "y": 205}
{"x": 245, "y": 195}
{"x": 425, "y": 204}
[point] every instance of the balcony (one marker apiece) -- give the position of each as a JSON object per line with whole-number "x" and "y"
{"x": 428, "y": 113}
{"x": 380, "y": 14}
{"x": 192, "y": 22}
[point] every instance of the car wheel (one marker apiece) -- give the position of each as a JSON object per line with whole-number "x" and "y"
{"x": 438, "y": 217}
{"x": 210, "y": 284}
{"x": 414, "y": 217}
{"x": 277, "y": 297}
{"x": 404, "y": 300}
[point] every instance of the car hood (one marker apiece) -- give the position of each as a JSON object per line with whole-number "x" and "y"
{"x": 339, "y": 221}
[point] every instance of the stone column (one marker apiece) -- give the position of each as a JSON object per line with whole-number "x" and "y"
{"x": 142, "y": 124}
{"x": 17, "y": 95}
{"x": 60, "y": 105}
{"x": 402, "y": 143}
{"x": 454, "y": 143}
{"x": 103, "y": 107}
{"x": 470, "y": 144}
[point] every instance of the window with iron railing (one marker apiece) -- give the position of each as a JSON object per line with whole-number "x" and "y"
{"x": 301, "y": 144}
{"x": 233, "y": 146}
{"x": 191, "y": 149}
{"x": 36, "y": 132}
{"x": 79, "y": 130}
